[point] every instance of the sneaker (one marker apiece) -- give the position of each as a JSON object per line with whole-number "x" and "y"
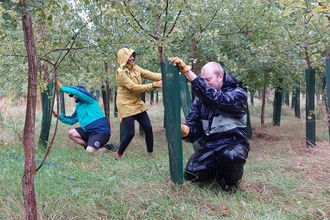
{"x": 151, "y": 156}
{"x": 111, "y": 147}
{"x": 117, "y": 156}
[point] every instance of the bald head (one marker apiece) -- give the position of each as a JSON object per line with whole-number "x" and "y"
{"x": 215, "y": 67}
{"x": 213, "y": 74}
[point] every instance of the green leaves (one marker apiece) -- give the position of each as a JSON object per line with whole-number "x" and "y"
{"x": 6, "y": 17}
{"x": 248, "y": 37}
{"x": 7, "y": 5}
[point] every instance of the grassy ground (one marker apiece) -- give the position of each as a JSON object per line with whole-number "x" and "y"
{"x": 283, "y": 178}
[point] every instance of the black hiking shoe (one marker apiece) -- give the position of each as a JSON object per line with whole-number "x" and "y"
{"x": 228, "y": 188}
{"x": 111, "y": 147}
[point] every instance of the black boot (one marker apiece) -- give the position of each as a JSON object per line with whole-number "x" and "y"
{"x": 111, "y": 147}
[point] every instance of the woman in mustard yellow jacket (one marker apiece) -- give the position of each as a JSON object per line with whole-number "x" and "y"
{"x": 129, "y": 103}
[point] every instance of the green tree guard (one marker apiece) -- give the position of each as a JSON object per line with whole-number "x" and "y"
{"x": 277, "y": 106}
{"x": 115, "y": 109}
{"x": 310, "y": 107}
{"x": 122, "y": 131}
{"x": 104, "y": 96}
{"x": 97, "y": 94}
{"x": 327, "y": 74}
{"x": 62, "y": 102}
{"x": 185, "y": 99}
{"x": 47, "y": 107}
{"x": 143, "y": 97}
{"x": 152, "y": 97}
{"x": 252, "y": 98}
{"x": 106, "y": 100}
{"x": 171, "y": 100}
{"x": 249, "y": 132}
{"x": 296, "y": 101}
{"x": 293, "y": 101}
{"x": 286, "y": 99}
{"x": 324, "y": 95}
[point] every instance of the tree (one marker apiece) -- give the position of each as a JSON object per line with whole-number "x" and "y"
{"x": 308, "y": 29}
{"x": 30, "y": 203}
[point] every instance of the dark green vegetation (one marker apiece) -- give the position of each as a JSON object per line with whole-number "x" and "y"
{"x": 283, "y": 178}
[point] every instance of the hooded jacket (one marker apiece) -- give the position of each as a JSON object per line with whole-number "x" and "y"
{"x": 88, "y": 112}
{"x": 129, "y": 80}
{"x": 217, "y": 117}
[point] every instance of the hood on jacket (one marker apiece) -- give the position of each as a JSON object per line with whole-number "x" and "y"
{"x": 123, "y": 55}
{"x": 82, "y": 89}
{"x": 229, "y": 82}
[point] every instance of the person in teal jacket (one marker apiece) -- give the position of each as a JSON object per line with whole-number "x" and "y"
{"x": 94, "y": 131}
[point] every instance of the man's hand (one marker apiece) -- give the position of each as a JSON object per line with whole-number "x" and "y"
{"x": 184, "y": 130}
{"x": 184, "y": 68}
{"x": 158, "y": 84}
{"x": 58, "y": 86}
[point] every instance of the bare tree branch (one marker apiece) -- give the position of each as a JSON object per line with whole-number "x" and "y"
{"x": 175, "y": 22}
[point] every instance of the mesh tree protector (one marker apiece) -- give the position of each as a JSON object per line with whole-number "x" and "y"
{"x": 172, "y": 121}
{"x": 327, "y": 73}
{"x": 47, "y": 107}
{"x": 62, "y": 102}
{"x": 185, "y": 97}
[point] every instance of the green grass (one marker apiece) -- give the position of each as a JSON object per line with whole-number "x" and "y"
{"x": 283, "y": 179}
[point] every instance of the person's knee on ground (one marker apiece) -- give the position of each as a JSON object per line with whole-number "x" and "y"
{"x": 200, "y": 175}
{"x": 90, "y": 149}
{"x": 200, "y": 167}
{"x": 231, "y": 162}
{"x": 101, "y": 150}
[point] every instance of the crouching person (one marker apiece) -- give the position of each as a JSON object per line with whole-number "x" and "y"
{"x": 217, "y": 122}
{"x": 95, "y": 130}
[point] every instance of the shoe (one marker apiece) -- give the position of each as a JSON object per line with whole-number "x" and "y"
{"x": 111, "y": 147}
{"x": 117, "y": 156}
{"x": 151, "y": 156}
{"x": 228, "y": 188}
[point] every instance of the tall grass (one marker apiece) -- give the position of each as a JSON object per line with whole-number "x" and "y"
{"x": 283, "y": 179}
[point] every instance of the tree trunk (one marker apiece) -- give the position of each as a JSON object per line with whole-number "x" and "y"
{"x": 29, "y": 127}
{"x": 158, "y": 37}
{"x": 277, "y": 107}
{"x": 195, "y": 67}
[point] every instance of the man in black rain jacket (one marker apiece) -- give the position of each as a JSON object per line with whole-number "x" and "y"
{"x": 217, "y": 122}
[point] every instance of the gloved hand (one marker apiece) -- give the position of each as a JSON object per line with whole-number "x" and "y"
{"x": 158, "y": 84}
{"x": 184, "y": 130}
{"x": 58, "y": 86}
{"x": 184, "y": 68}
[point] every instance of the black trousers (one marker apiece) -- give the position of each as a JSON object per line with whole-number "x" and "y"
{"x": 144, "y": 121}
{"x": 225, "y": 162}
